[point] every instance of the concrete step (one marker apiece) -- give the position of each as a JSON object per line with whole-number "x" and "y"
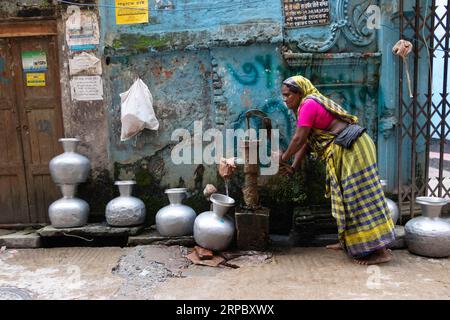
{"x": 91, "y": 230}
{"x": 23, "y": 239}
{"x": 152, "y": 236}
{"x": 4, "y": 232}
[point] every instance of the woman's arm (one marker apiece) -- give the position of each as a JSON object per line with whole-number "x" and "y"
{"x": 297, "y": 142}
{"x": 299, "y": 156}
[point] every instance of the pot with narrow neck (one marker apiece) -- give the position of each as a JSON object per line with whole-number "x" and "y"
{"x": 69, "y": 167}
{"x": 214, "y": 230}
{"x": 393, "y": 208}
{"x": 429, "y": 235}
{"x": 176, "y": 219}
{"x": 68, "y": 212}
{"x": 125, "y": 210}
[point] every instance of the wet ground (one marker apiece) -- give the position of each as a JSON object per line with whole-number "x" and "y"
{"x": 160, "y": 272}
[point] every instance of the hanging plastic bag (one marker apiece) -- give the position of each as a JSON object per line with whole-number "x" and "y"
{"x": 136, "y": 111}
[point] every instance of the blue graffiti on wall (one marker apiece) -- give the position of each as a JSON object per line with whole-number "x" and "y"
{"x": 251, "y": 73}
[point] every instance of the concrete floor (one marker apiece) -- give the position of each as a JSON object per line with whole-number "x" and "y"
{"x": 157, "y": 272}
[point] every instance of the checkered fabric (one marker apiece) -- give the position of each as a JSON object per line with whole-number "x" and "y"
{"x": 358, "y": 202}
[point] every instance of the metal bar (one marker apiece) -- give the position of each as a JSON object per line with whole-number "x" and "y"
{"x": 400, "y": 120}
{"x": 430, "y": 95}
{"x": 444, "y": 105}
{"x": 414, "y": 103}
{"x": 430, "y": 92}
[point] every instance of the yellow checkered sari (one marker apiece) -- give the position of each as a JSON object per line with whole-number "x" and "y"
{"x": 353, "y": 183}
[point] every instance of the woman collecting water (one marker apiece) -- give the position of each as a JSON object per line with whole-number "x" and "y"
{"x": 325, "y": 129}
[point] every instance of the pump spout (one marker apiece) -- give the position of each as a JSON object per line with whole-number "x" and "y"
{"x": 267, "y": 123}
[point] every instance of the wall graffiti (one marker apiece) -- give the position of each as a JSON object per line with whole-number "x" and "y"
{"x": 251, "y": 72}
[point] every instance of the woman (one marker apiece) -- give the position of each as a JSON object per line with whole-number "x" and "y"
{"x": 324, "y": 128}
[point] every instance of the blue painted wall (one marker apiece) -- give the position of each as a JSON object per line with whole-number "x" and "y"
{"x": 195, "y": 15}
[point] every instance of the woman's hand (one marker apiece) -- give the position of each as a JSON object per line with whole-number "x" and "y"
{"x": 286, "y": 170}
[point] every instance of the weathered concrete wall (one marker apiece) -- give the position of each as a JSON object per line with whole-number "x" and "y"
{"x": 86, "y": 120}
{"x": 196, "y": 24}
{"x": 251, "y": 79}
{"x": 181, "y": 88}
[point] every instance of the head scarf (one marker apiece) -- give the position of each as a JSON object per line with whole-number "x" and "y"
{"x": 311, "y": 92}
{"x": 303, "y": 84}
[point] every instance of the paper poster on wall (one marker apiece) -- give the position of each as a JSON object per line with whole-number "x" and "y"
{"x": 34, "y": 61}
{"x": 85, "y": 63}
{"x": 35, "y": 79}
{"x": 82, "y": 32}
{"x": 131, "y": 11}
{"x": 306, "y": 13}
{"x": 86, "y": 88}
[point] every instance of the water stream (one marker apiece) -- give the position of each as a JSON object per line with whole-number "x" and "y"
{"x": 226, "y": 186}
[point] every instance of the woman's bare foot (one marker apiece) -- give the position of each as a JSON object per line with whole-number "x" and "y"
{"x": 335, "y": 246}
{"x": 379, "y": 256}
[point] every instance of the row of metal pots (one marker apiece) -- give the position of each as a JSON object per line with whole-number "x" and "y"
{"x": 427, "y": 235}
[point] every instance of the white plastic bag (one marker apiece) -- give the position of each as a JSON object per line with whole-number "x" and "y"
{"x": 136, "y": 111}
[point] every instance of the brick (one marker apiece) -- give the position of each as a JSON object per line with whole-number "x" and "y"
{"x": 204, "y": 254}
{"x": 252, "y": 229}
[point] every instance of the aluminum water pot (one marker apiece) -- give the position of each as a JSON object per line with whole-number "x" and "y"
{"x": 393, "y": 208}
{"x": 214, "y": 230}
{"x": 69, "y": 167}
{"x": 429, "y": 235}
{"x": 176, "y": 219}
{"x": 125, "y": 210}
{"x": 68, "y": 212}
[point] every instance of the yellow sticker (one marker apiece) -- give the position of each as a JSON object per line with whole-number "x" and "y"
{"x": 36, "y": 79}
{"x": 131, "y": 11}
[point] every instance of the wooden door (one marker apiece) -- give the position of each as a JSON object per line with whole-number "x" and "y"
{"x": 13, "y": 191}
{"x": 38, "y": 125}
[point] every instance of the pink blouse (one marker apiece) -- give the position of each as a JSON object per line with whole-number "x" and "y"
{"x": 313, "y": 114}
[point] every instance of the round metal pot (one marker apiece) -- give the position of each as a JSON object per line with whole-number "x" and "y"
{"x": 176, "y": 219}
{"x": 68, "y": 212}
{"x": 393, "y": 208}
{"x": 429, "y": 235}
{"x": 214, "y": 230}
{"x": 69, "y": 167}
{"x": 125, "y": 210}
